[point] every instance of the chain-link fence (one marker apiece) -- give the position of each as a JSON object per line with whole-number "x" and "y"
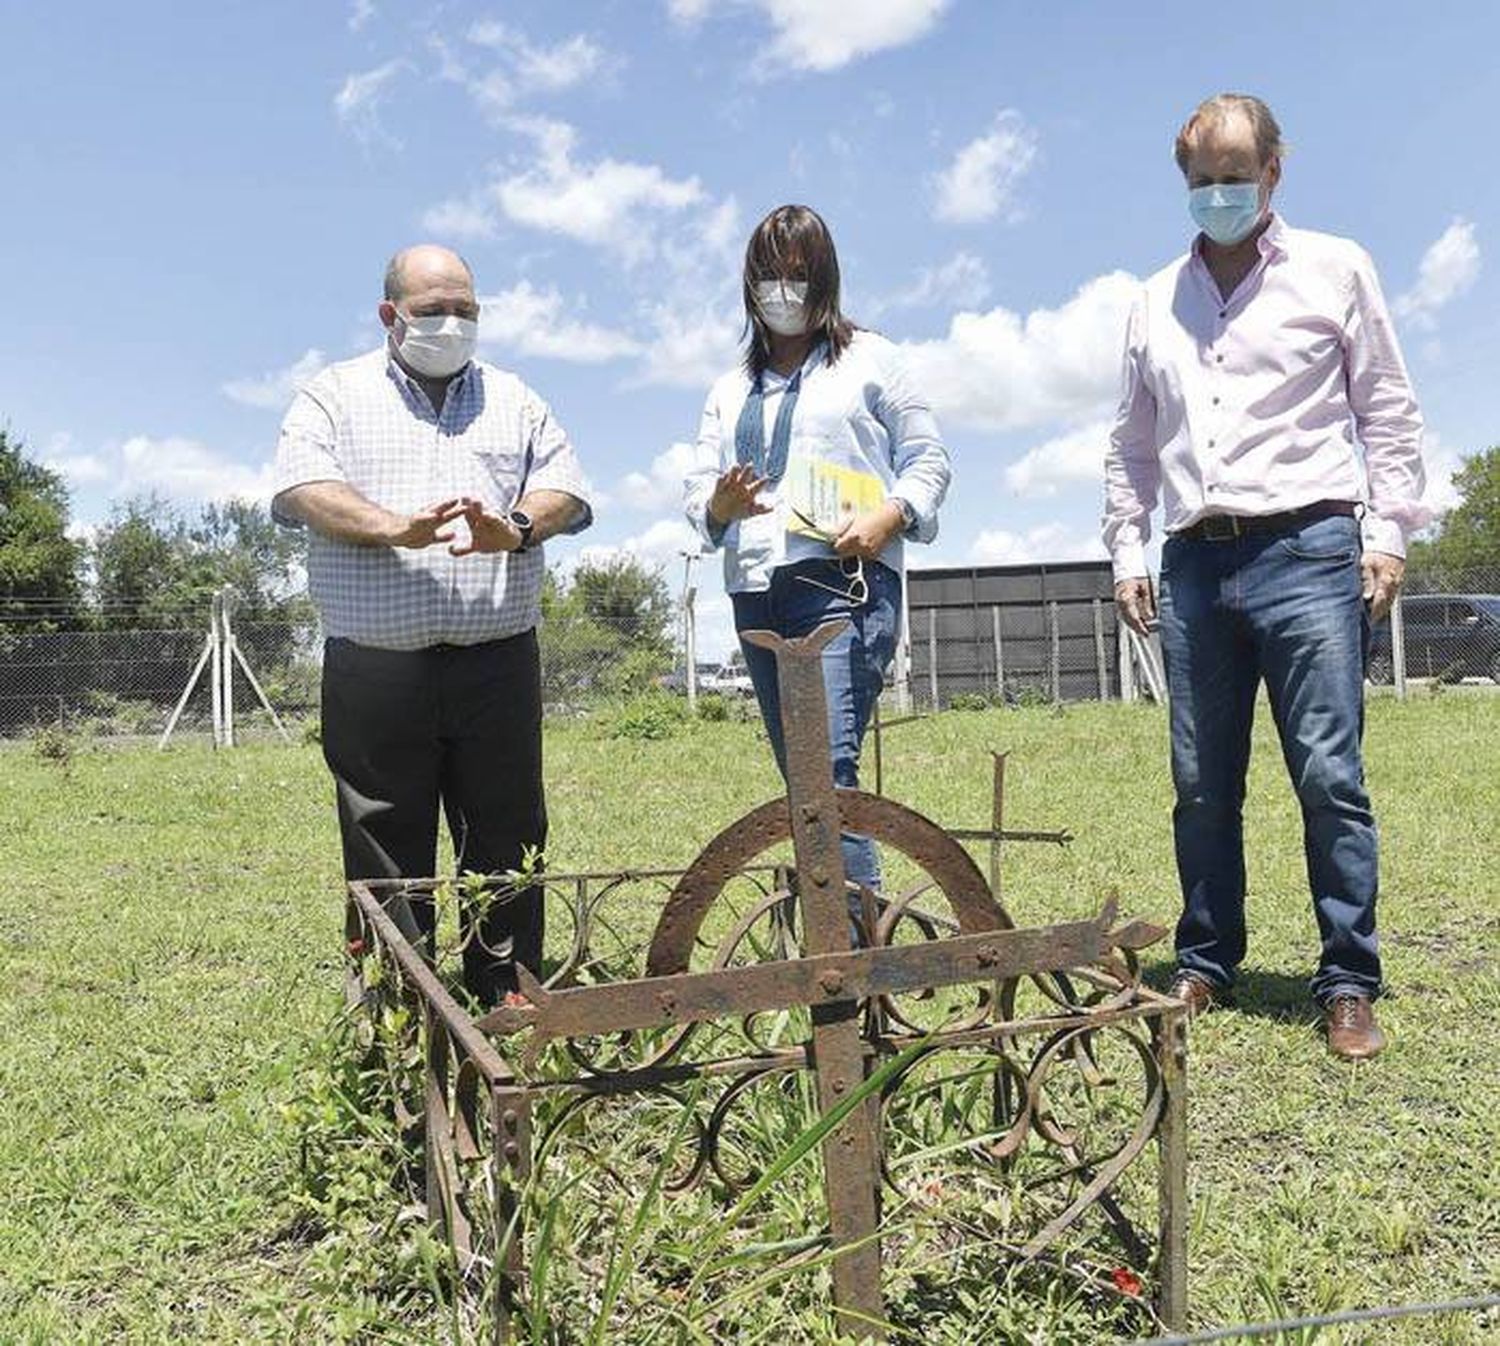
{"x": 122, "y": 675}
{"x": 1008, "y": 635}
{"x": 116, "y": 678}
{"x": 1445, "y": 627}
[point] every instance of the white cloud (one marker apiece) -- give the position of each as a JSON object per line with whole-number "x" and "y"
{"x": 980, "y": 183}
{"x": 826, "y": 34}
{"x": 963, "y": 281}
{"x": 608, "y": 203}
{"x": 523, "y": 68}
{"x": 458, "y": 219}
{"x": 186, "y": 469}
{"x": 360, "y": 13}
{"x": 561, "y": 66}
{"x": 79, "y": 469}
{"x": 661, "y": 545}
{"x": 358, "y": 100}
{"x": 1045, "y": 542}
{"x": 688, "y": 348}
{"x": 1000, "y": 371}
{"x": 531, "y": 321}
{"x": 273, "y": 391}
{"x": 1073, "y": 458}
{"x": 661, "y": 487}
{"x": 1440, "y": 462}
{"x": 1448, "y": 268}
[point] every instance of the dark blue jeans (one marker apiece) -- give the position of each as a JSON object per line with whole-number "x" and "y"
{"x": 1285, "y": 608}
{"x": 854, "y": 667}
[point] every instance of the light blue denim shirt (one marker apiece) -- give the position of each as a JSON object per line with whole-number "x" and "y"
{"x": 861, "y": 412}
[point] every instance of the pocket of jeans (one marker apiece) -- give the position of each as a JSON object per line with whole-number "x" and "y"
{"x": 1331, "y": 540}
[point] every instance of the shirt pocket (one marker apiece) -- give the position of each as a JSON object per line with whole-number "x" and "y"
{"x": 500, "y": 473}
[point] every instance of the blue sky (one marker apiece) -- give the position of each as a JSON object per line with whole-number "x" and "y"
{"x": 199, "y": 201}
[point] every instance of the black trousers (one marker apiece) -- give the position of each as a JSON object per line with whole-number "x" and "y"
{"x": 460, "y": 725}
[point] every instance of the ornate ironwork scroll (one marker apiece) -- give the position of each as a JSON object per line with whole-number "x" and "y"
{"x": 762, "y": 974}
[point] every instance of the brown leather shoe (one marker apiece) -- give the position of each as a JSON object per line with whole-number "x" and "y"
{"x": 1352, "y": 1031}
{"x": 1196, "y": 992}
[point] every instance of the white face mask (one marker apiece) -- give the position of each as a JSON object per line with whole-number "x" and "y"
{"x": 438, "y": 346}
{"x": 782, "y": 305}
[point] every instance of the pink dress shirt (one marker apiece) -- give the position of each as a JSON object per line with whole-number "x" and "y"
{"x": 1262, "y": 402}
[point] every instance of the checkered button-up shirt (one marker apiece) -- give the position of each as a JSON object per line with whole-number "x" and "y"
{"x": 366, "y": 423}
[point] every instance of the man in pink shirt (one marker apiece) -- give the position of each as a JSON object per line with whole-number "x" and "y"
{"x": 1266, "y": 404}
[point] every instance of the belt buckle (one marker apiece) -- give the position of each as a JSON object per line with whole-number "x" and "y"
{"x": 1219, "y": 528}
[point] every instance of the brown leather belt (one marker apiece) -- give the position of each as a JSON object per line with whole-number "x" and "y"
{"x": 1227, "y": 527}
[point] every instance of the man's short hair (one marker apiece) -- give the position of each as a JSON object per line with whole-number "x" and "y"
{"x": 1218, "y": 109}
{"x": 395, "y": 274}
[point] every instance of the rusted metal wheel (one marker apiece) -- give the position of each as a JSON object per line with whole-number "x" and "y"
{"x": 951, "y": 869}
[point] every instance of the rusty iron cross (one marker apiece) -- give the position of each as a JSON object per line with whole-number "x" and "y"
{"x": 832, "y": 977}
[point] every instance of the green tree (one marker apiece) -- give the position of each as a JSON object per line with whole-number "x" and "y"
{"x": 608, "y": 631}
{"x": 155, "y": 566}
{"x": 1468, "y": 538}
{"x": 39, "y": 564}
{"x": 626, "y": 597}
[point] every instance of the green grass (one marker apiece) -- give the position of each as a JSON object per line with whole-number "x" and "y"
{"x": 170, "y": 957}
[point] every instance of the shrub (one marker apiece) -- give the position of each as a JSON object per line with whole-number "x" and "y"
{"x": 713, "y": 706}
{"x": 650, "y": 717}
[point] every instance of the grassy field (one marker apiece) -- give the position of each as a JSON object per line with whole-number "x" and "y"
{"x": 170, "y": 967}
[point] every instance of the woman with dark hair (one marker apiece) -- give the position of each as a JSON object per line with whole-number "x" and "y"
{"x": 816, "y": 459}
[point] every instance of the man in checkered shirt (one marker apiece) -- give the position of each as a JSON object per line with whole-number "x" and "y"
{"x": 428, "y": 481}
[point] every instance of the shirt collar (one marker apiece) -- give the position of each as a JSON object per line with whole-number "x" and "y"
{"x": 814, "y": 357}
{"x": 1272, "y": 239}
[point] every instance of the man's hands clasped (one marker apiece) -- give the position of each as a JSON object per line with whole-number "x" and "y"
{"x": 488, "y": 531}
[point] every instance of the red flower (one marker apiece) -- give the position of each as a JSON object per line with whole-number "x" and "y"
{"x": 1126, "y": 1281}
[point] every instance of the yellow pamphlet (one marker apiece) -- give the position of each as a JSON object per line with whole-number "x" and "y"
{"x": 825, "y": 496}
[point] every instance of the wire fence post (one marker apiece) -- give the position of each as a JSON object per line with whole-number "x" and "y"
{"x": 1100, "y": 661}
{"x": 999, "y": 654}
{"x": 932, "y": 657}
{"x": 1398, "y": 648}
{"x": 1127, "y": 666}
{"x": 1056, "y": 653}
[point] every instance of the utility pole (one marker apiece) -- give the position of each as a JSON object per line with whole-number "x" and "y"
{"x": 689, "y": 627}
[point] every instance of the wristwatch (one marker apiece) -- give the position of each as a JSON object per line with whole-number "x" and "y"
{"x": 908, "y": 514}
{"x": 521, "y": 522}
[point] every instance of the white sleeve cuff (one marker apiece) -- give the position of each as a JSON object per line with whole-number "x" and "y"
{"x": 1383, "y": 535}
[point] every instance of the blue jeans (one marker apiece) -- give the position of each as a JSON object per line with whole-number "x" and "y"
{"x": 1285, "y": 607}
{"x": 854, "y": 668}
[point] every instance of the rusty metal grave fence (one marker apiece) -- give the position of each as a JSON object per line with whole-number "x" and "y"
{"x": 986, "y": 1097}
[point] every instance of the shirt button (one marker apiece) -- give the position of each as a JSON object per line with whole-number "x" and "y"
{"x": 1218, "y": 359}
{"x": 1223, "y": 313}
{"x": 1216, "y": 401}
{"x": 1210, "y": 445}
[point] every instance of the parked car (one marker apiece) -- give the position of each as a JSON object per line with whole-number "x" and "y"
{"x": 1447, "y": 636}
{"x": 729, "y": 679}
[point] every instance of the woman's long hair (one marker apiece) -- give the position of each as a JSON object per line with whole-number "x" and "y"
{"x": 793, "y": 243}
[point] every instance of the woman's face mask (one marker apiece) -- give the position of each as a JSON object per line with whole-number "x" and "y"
{"x": 782, "y": 305}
